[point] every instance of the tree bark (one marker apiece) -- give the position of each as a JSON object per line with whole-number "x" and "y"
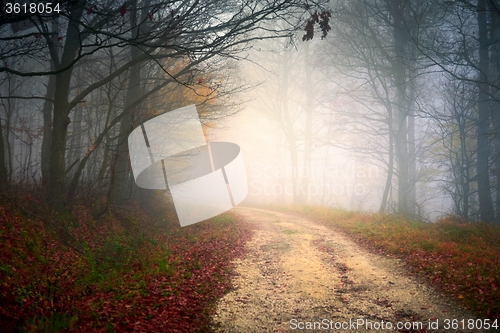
{"x": 495, "y": 101}
{"x": 57, "y": 181}
{"x": 400, "y": 117}
{"x": 287, "y": 125}
{"x": 390, "y": 168}
{"x": 483, "y": 121}
{"x": 308, "y": 129}
{"x": 3, "y": 169}
{"x": 412, "y": 153}
{"x": 47, "y": 111}
{"x": 47, "y": 131}
{"x": 121, "y": 162}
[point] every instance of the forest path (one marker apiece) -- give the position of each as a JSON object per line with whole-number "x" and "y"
{"x": 297, "y": 271}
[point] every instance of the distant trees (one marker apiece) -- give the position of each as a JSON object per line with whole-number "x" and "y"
{"x": 379, "y": 60}
{"x": 456, "y": 120}
{"x": 396, "y": 52}
{"x": 420, "y": 81}
{"x": 286, "y": 73}
{"x": 466, "y": 48}
{"x": 102, "y": 53}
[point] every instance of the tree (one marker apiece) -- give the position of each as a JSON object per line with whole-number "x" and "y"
{"x": 465, "y": 47}
{"x": 483, "y": 120}
{"x": 373, "y": 48}
{"x": 3, "y": 170}
{"x": 152, "y": 30}
{"x": 456, "y": 124}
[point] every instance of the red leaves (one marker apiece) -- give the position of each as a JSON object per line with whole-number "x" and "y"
{"x": 324, "y": 23}
{"x": 383, "y": 302}
{"x": 459, "y": 259}
{"x": 123, "y": 10}
{"x": 200, "y": 80}
{"x": 178, "y": 299}
{"x": 150, "y": 16}
{"x": 91, "y": 9}
{"x": 322, "y": 19}
{"x": 309, "y": 29}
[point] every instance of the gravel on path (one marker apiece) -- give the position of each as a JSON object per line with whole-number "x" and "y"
{"x": 300, "y": 276}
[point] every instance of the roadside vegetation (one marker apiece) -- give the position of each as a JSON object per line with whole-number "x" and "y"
{"x": 460, "y": 259}
{"x": 130, "y": 269}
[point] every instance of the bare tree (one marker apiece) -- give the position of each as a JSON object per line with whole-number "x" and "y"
{"x": 152, "y": 30}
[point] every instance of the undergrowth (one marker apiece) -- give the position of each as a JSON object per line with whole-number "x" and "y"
{"x": 128, "y": 270}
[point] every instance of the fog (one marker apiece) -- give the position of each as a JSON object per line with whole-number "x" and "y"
{"x": 361, "y": 105}
{"x": 341, "y": 170}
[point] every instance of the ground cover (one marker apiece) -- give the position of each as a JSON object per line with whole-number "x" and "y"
{"x": 128, "y": 270}
{"x": 460, "y": 259}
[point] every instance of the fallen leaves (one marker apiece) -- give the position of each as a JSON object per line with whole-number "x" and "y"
{"x": 148, "y": 281}
{"x": 460, "y": 259}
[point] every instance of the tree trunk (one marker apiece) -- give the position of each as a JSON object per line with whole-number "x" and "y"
{"x": 9, "y": 133}
{"x": 390, "y": 170}
{"x": 47, "y": 115}
{"x": 464, "y": 167}
{"x": 121, "y": 163}
{"x": 75, "y": 138}
{"x": 495, "y": 101}
{"x": 483, "y": 121}
{"x": 57, "y": 181}
{"x": 401, "y": 137}
{"x": 3, "y": 169}
{"x": 47, "y": 131}
{"x": 412, "y": 165}
{"x": 287, "y": 125}
{"x": 308, "y": 128}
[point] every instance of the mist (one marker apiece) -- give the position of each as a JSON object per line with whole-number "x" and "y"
{"x": 337, "y": 107}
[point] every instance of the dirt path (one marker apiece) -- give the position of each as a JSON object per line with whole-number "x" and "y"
{"x": 298, "y": 274}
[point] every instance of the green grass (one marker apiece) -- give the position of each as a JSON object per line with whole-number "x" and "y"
{"x": 460, "y": 259}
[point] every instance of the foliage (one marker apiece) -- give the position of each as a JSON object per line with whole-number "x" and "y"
{"x": 122, "y": 272}
{"x": 460, "y": 259}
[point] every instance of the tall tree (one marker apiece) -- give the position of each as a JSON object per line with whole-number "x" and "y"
{"x": 193, "y": 30}
{"x": 483, "y": 120}
{"x": 3, "y": 169}
{"x": 373, "y": 49}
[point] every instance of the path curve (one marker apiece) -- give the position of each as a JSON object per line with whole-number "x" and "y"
{"x": 297, "y": 274}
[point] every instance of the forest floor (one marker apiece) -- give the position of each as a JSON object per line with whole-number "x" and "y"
{"x": 300, "y": 275}
{"x": 134, "y": 269}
